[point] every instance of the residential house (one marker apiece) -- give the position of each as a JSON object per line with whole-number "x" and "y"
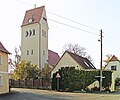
{"x": 114, "y": 65}
{"x": 4, "y": 82}
{"x": 69, "y": 59}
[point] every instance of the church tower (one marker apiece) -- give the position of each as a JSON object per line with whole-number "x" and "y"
{"x": 34, "y": 37}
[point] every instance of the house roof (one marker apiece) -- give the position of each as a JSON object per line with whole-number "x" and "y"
{"x": 35, "y": 14}
{"x": 2, "y": 48}
{"x": 114, "y": 58}
{"x": 84, "y": 62}
{"x": 53, "y": 58}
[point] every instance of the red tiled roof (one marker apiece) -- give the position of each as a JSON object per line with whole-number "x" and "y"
{"x": 35, "y": 13}
{"x": 53, "y": 58}
{"x": 84, "y": 62}
{"x": 113, "y": 58}
{"x": 2, "y": 48}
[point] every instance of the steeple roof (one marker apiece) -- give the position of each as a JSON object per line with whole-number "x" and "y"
{"x": 35, "y": 14}
{"x": 2, "y": 48}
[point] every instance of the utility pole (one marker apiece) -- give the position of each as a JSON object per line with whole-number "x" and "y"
{"x": 101, "y": 61}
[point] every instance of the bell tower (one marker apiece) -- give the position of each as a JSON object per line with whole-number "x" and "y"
{"x": 34, "y": 37}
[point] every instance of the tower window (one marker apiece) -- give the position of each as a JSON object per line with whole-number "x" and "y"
{"x": 33, "y": 31}
{"x": 43, "y": 52}
{"x": 27, "y": 52}
{"x": 43, "y": 33}
{"x": 30, "y": 33}
{"x": 31, "y": 52}
{"x": 26, "y": 34}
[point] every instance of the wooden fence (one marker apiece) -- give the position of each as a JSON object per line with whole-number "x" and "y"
{"x": 43, "y": 83}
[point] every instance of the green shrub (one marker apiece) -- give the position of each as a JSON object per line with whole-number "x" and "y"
{"x": 72, "y": 79}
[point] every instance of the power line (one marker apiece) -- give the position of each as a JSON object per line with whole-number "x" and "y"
{"x": 72, "y": 21}
{"x": 72, "y": 26}
{"x": 113, "y": 42}
{"x": 63, "y": 17}
{"x": 65, "y": 24}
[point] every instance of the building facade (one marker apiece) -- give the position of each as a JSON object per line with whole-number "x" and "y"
{"x": 34, "y": 37}
{"x": 113, "y": 65}
{"x": 4, "y": 81}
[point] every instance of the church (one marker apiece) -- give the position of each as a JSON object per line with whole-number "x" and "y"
{"x": 34, "y": 39}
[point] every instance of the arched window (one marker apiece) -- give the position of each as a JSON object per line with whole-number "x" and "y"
{"x": 33, "y": 31}
{"x": 26, "y": 34}
{"x": 30, "y": 32}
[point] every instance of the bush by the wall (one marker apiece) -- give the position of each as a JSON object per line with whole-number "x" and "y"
{"x": 72, "y": 79}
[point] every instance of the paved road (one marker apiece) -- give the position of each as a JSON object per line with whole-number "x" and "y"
{"x": 32, "y": 94}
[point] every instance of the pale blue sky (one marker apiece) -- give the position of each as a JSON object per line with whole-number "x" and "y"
{"x": 99, "y": 14}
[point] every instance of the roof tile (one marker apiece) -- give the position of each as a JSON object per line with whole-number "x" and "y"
{"x": 35, "y": 13}
{"x": 114, "y": 58}
{"x": 84, "y": 62}
{"x": 2, "y": 48}
{"x": 53, "y": 58}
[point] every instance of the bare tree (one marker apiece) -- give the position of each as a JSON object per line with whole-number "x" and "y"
{"x": 76, "y": 49}
{"x": 16, "y": 60}
{"x": 108, "y": 57}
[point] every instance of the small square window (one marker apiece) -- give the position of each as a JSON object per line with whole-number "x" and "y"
{"x": 31, "y": 52}
{"x": 0, "y": 79}
{"x": 114, "y": 68}
{"x": 27, "y": 52}
{"x": 43, "y": 52}
{"x": 0, "y": 59}
{"x": 44, "y": 33}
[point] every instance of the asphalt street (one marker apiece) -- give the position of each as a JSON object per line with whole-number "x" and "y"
{"x": 34, "y": 94}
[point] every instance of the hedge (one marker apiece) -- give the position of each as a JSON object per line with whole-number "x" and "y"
{"x": 72, "y": 79}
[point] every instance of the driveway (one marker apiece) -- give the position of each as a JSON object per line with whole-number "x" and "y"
{"x": 33, "y": 94}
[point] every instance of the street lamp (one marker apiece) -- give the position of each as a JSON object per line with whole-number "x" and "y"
{"x": 58, "y": 77}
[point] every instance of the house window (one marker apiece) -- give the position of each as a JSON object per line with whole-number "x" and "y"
{"x": 114, "y": 68}
{"x": 0, "y": 59}
{"x": 0, "y": 79}
{"x": 27, "y": 52}
{"x": 31, "y": 52}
